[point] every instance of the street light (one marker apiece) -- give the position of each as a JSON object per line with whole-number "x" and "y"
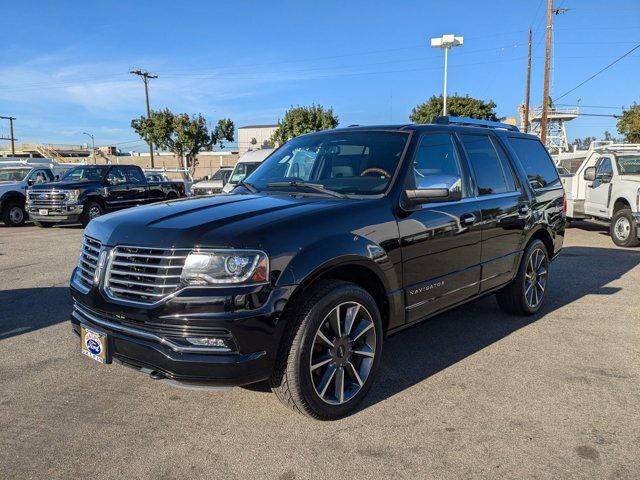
{"x": 446, "y": 42}
{"x": 93, "y": 146}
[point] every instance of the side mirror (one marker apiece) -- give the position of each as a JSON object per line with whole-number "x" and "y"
{"x": 432, "y": 195}
{"x": 30, "y": 182}
{"x": 435, "y": 188}
{"x": 590, "y": 174}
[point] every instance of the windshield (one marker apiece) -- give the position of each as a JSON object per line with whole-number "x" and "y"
{"x": 86, "y": 173}
{"x": 628, "y": 164}
{"x": 241, "y": 172}
{"x": 360, "y": 163}
{"x": 13, "y": 174}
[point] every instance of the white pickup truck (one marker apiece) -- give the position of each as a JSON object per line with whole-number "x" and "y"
{"x": 606, "y": 187}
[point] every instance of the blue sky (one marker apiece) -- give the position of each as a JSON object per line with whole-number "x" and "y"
{"x": 63, "y": 65}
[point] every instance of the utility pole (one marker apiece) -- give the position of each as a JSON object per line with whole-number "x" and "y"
{"x": 526, "y": 98}
{"x": 11, "y": 137}
{"x": 145, "y": 77}
{"x": 547, "y": 61}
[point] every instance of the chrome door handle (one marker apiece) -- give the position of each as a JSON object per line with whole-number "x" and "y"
{"x": 468, "y": 219}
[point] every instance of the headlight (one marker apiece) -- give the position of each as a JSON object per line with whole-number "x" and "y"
{"x": 225, "y": 267}
{"x": 71, "y": 196}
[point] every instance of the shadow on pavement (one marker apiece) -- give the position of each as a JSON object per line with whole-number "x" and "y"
{"x": 29, "y": 309}
{"x": 420, "y": 352}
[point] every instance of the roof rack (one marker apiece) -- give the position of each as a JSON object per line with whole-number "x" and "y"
{"x": 472, "y": 122}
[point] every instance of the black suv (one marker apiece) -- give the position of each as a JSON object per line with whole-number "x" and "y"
{"x": 337, "y": 239}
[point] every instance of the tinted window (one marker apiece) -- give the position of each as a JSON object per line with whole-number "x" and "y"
{"x": 436, "y": 163}
{"x": 116, "y": 176}
{"x": 135, "y": 175}
{"x": 536, "y": 162}
{"x": 490, "y": 174}
{"x": 86, "y": 173}
{"x": 604, "y": 167}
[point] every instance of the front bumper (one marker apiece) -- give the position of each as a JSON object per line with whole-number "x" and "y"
{"x": 55, "y": 214}
{"x": 154, "y": 341}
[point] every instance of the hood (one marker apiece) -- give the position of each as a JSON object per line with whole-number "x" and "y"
{"x": 67, "y": 185}
{"x": 220, "y": 221}
{"x": 9, "y": 185}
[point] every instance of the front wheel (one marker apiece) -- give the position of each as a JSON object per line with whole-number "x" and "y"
{"x": 92, "y": 209}
{"x": 331, "y": 352}
{"x": 526, "y": 292}
{"x": 13, "y": 215}
{"x": 623, "y": 230}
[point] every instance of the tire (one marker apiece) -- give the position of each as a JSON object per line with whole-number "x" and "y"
{"x": 91, "y": 210}
{"x": 43, "y": 224}
{"x": 14, "y": 215}
{"x": 312, "y": 319}
{"x": 622, "y": 230}
{"x": 171, "y": 196}
{"x": 526, "y": 292}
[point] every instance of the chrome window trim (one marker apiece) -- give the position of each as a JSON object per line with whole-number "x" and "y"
{"x": 79, "y": 312}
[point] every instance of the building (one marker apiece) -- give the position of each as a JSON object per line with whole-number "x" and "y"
{"x": 254, "y": 137}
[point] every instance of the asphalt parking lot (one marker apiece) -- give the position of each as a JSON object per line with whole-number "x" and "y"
{"x": 473, "y": 393}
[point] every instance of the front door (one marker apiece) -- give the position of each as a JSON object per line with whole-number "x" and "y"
{"x": 440, "y": 241}
{"x": 598, "y": 191}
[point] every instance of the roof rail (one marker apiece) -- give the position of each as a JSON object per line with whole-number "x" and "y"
{"x": 472, "y": 122}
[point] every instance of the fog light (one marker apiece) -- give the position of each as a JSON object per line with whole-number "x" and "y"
{"x": 207, "y": 342}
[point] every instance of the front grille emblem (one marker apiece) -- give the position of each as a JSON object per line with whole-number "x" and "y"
{"x": 102, "y": 260}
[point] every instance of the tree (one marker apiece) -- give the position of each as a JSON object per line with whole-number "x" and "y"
{"x": 629, "y": 124}
{"x": 300, "y": 120}
{"x": 223, "y": 132}
{"x": 583, "y": 143}
{"x": 182, "y": 134}
{"x": 457, "y": 106}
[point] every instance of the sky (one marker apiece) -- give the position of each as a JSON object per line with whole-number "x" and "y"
{"x": 64, "y": 64}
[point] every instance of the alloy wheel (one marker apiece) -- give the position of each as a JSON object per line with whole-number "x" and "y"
{"x": 622, "y": 228}
{"x": 343, "y": 353}
{"x": 94, "y": 212}
{"x": 535, "y": 281}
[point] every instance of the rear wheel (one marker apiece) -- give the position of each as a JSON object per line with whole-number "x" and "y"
{"x": 92, "y": 209}
{"x": 331, "y": 352}
{"x": 525, "y": 294}
{"x": 623, "y": 231}
{"x": 13, "y": 215}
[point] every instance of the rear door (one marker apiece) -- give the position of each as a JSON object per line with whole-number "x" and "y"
{"x": 599, "y": 191}
{"x": 440, "y": 241}
{"x": 504, "y": 208}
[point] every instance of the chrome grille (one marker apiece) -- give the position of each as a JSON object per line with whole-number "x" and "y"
{"x": 46, "y": 198}
{"x": 88, "y": 262}
{"x": 143, "y": 275}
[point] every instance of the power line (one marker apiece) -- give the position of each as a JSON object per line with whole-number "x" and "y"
{"x": 599, "y": 72}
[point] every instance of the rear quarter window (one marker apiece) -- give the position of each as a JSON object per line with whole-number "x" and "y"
{"x": 536, "y": 161}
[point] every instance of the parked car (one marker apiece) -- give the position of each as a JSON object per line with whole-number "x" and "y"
{"x": 297, "y": 276}
{"x": 214, "y": 184}
{"x": 247, "y": 163}
{"x": 15, "y": 178}
{"x": 88, "y": 191}
{"x": 606, "y": 188}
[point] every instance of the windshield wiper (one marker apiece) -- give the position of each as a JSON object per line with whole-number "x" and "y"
{"x": 312, "y": 186}
{"x": 248, "y": 186}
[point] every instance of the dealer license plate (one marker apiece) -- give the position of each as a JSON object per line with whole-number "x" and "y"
{"x": 94, "y": 344}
